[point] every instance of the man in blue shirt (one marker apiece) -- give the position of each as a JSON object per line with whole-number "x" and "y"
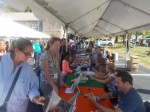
{"x": 128, "y": 98}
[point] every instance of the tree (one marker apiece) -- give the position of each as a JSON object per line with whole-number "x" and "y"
{"x": 28, "y": 9}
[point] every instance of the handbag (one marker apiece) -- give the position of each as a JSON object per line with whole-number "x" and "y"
{"x": 4, "y": 105}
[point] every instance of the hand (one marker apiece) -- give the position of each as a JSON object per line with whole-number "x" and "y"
{"x": 92, "y": 78}
{"x": 92, "y": 98}
{"x": 62, "y": 84}
{"x": 39, "y": 100}
{"x": 52, "y": 108}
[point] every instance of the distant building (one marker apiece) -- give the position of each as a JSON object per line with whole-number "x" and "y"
{"x": 28, "y": 19}
{"x": 25, "y": 18}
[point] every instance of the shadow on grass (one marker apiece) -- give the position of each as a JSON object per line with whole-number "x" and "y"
{"x": 144, "y": 91}
{"x": 118, "y": 47}
{"x": 141, "y": 55}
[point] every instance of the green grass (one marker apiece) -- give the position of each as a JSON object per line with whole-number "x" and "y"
{"x": 139, "y": 51}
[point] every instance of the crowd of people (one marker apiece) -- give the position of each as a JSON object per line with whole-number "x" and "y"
{"x": 53, "y": 61}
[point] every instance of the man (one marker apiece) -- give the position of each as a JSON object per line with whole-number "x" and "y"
{"x": 128, "y": 98}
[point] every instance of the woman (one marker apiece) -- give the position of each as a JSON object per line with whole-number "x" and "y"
{"x": 65, "y": 66}
{"x": 27, "y": 84}
{"x": 49, "y": 64}
{"x": 109, "y": 78}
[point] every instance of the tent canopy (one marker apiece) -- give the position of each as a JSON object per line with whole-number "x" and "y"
{"x": 12, "y": 29}
{"x": 91, "y": 17}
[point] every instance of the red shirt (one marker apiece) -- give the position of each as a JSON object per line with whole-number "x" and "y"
{"x": 65, "y": 67}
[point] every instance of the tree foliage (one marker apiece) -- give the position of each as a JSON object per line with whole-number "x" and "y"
{"x": 28, "y": 9}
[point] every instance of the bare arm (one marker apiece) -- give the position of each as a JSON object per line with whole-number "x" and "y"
{"x": 105, "y": 109}
{"x": 105, "y": 96}
{"x": 105, "y": 81}
{"x": 100, "y": 75}
{"x": 92, "y": 98}
{"x": 59, "y": 77}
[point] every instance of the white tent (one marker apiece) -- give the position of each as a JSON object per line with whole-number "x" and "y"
{"x": 12, "y": 29}
{"x": 91, "y": 17}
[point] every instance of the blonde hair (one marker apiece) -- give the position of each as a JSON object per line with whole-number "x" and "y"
{"x": 51, "y": 41}
{"x": 111, "y": 66}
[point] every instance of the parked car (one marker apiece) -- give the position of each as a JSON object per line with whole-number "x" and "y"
{"x": 109, "y": 42}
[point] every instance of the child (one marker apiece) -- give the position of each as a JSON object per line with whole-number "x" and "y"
{"x": 65, "y": 66}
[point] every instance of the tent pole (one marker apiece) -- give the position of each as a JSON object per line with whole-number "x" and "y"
{"x": 126, "y": 50}
{"x": 66, "y": 32}
{"x": 75, "y": 40}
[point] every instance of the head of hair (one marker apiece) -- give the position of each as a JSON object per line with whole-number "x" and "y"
{"x": 51, "y": 41}
{"x": 111, "y": 66}
{"x": 125, "y": 77}
{"x": 108, "y": 52}
{"x": 20, "y": 43}
{"x": 66, "y": 54}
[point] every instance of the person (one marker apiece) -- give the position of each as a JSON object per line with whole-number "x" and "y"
{"x": 50, "y": 69}
{"x": 128, "y": 98}
{"x": 2, "y": 47}
{"x": 7, "y": 45}
{"x": 109, "y": 78}
{"x": 65, "y": 66}
{"x": 134, "y": 43}
{"x": 95, "y": 55}
{"x": 27, "y": 84}
{"x": 37, "y": 52}
{"x": 109, "y": 56}
{"x": 100, "y": 67}
{"x": 62, "y": 50}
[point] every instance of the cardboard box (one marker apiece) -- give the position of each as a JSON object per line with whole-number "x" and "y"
{"x": 134, "y": 69}
{"x": 134, "y": 59}
{"x": 134, "y": 65}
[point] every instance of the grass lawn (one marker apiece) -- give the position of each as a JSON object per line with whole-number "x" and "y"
{"x": 139, "y": 51}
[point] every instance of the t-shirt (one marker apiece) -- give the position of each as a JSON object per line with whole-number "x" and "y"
{"x": 129, "y": 102}
{"x": 36, "y": 47}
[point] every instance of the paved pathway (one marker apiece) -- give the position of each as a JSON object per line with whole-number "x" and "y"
{"x": 141, "y": 78}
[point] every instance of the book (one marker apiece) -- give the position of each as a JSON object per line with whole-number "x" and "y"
{"x": 56, "y": 104}
{"x": 74, "y": 85}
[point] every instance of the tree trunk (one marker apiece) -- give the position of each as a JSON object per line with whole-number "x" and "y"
{"x": 116, "y": 39}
